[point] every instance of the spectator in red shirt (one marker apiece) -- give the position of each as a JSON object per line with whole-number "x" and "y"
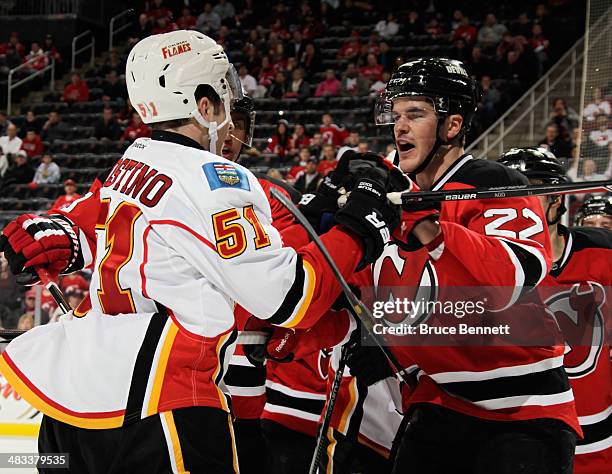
{"x": 73, "y": 282}
{"x": 351, "y": 48}
{"x": 32, "y": 144}
{"x": 539, "y": 44}
{"x": 330, "y": 132}
{"x": 279, "y": 142}
{"x": 70, "y": 195}
{"x": 372, "y": 70}
{"x": 76, "y": 90}
{"x": 158, "y": 10}
{"x": 16, "y": 44}
{"x": 40, "y": 59}
{"x": 328, "y": 87}
{"x": 465, "y": 31}
{"x": 329, "y": 161}
{"x": 137, "y": 129}
{"x": 187, "y": 21}
{"x": 267, "y": 72}
{"x": 163, "y": 25}
{"x": 51, "y": 50}
{"x": 299, "y": 139}
{"x": 312, "y": 28}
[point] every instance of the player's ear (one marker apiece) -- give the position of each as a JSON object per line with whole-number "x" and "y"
{"x": 453, "y": 124}
{"x": 206, "y": 108}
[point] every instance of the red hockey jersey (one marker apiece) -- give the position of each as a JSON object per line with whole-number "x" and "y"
{"x": 578, "y": 291}
{"x": 484, "y": 244}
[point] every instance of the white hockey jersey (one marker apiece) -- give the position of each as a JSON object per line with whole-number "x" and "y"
{"x": 181, "y": 235}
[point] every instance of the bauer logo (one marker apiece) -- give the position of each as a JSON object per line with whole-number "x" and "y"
{"x": 456, "y": 197}
{"x": 175, "y": 49}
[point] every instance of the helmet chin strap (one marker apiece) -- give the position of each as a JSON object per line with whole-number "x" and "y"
{"x": 213, "y": 127}
{"x": 560, "y": 211}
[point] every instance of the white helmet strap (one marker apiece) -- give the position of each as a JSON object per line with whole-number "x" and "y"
{"x": 213, "y": 126}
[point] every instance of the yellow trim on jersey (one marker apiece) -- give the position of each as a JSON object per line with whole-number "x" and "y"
{"x": 301, "y": 312}
{"x": 222, "y": 340}
{"x": 174, "y": 439}
{"x": 41, "y": 405}
{"x": 349, "y": 407}
{"x": 330, "y": 450}
{"x": 160, "y": 371}
{"x": 19, "y": 429}
{"x": 234, "y": 451}
{"x": 385, "y": 453}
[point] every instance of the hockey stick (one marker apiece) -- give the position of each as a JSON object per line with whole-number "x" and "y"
{"x": 329, "y": 410}
{"x": 500, "y": 192}
{"x": 359, "y": 311}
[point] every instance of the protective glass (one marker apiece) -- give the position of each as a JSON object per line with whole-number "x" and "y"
{"x": 383, "y": 109}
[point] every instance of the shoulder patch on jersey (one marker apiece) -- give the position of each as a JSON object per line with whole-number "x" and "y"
{"x": 225, "y": 175}
{"x": 484, "y": 173}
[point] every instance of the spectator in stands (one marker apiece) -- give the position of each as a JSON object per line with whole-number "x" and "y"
{"x": 505, "y": 45}
{"x": 298, "y": 88}
{"x": 38, "y": 57}
{"x": 70, "y": 195}
{"x": 329, "y": 160}
{"x": 32, "y": 144}
{"x": 413, "y": 25}
{"x": 51, "y": 50}
{"x": 278, "y": 88}
{"x": 31, "y": 123}
{"x": 352, "y": 141}
{"x": 380, "y": 85}
{"x": 137, "y": 129}
{"x": 225, "y": 10}
{"x": 295, "y": 47}
{"x": 312, "y": 28}
{"x": 387, "y": 28}
{"x": 491, "y": 32}
{"x": 351, "y": 48}
{"x": 434, "y": 28}
{"x": 26, "y": 320}
{"x": 299, "y": 139}
{"x": 552, "y": 142}
{"x": 279, "y": 142}
{"x": 208, "y": 21}
{"x": 316, "y": 144}
{"x": 107, "y": 127}
{"x": 113, "y": 63}
{"x": 47, "y": 172}
{"x": 74, "y": 281}
{"x": 328, "y": 87}
{"x": 310, "y": 60}
{"x": 489, "y": 100}
{"x": 352, "y": 83}
{"x": 16, "y": 45}
{"x": 21, "y": 173}
{"x": 480, "y": 63}
{"x": 523, "y": 27}
{"x": 385, "y": 57}
{"x": 163, "y": 25}
{"x": 73, "y": 298}
{"x": 186, "y": 21}
{"x": 363, "y": 147}
{"x": 141, "y": 30}
{"x": 267, "y": 73}
{"x": 372, "y": 71}
{"x": 10, "y": 144}
{"x": 248, "y": 82}
{"x": 565, "y": 118}
{"x": 373, "y": 44}
{"x": 330, "y": 132}
{"x": 114, "y": 88}
{"x": 54, "y": 128}
{"x": 76, "y": 90}
{"x": 124, "y": 116}
{"x": 589, "y": 171}
{"x": 4, "y": 165}
{"x": 465, "y": 31}
{"x": 540, "y": 46}
{"x": 298, "y": 168}
{"x": 157, "y": 10}
{"x": 597, "y": 106}
{"x": 600, "y": 138}
{"x": 4, "y": 123}
{"x": 308, "y": 180}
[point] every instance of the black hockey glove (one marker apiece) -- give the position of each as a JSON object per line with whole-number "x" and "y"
{"x": 368, "y": 363}
{"x": 369, "y": 214}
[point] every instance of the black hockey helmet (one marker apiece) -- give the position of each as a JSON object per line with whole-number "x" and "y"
{"x": 244, "y": 109}
{"x": 445, "y": 82}
{"x": 593, "y": 206}
{"x": 535, "y": 163}
{"x": 538, "y": 164}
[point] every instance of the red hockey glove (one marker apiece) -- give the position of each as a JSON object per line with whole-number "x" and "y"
{"x": 32, "y": 241}
{"x": 279, "y": 346}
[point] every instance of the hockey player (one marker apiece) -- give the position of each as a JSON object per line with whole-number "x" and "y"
{"x": 477, "y": 405}
{"x": 596, "y": 211}
{"x": 577, "y": 290}
{"x": 181, "y": 230}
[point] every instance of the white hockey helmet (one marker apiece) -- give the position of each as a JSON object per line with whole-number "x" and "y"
{"x": 163, "y": 72}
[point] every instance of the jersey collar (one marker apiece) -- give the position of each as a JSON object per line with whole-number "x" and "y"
{"x": 452, "y": 169}
{"x": 172, "y": 137}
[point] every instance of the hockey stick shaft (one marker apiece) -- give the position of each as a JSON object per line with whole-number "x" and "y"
{"x": 329, "y": 411}
{"x": 356, "y": 306}
{"x": 500, "y": 192}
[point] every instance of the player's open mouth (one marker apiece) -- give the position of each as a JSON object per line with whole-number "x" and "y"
{"x": 226, "y": 151}
{"x": 405, "y": 146}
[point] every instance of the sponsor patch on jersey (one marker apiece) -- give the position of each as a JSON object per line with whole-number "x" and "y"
{"x": 225, "y": 175}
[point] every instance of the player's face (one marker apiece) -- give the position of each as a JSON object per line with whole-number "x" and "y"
{"x": 414, "y": 130}
{"x": 233, "y": 142}
{"x": 603, "y": 222}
